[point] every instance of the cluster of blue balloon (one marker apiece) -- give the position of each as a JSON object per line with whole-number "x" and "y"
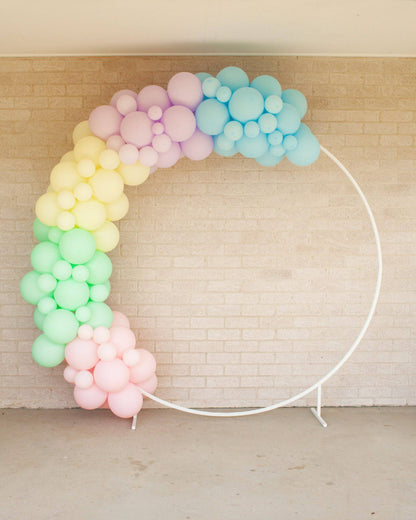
{"x": 256, "y": 119}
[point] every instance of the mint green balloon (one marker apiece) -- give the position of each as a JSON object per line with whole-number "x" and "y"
{"x": 47, "y": 353}
{"x": 47, "y": 282}
{"x": 99, "y": 292}
{"x": 77, "y": 246}
{"x": 46, "y": 305}
{"x": 44, "y": 256}
{"x": 100, "y": 268}
{"x": 29, "y": 288}
{"x": 40, "y": 230}
{"x": 101, "y": 315}
{"x": 39, "y": 318}
{"x": 83, "y": 314}
{"x": 60, "y": 326}
{"x": 80, "y": 273}
{"x": 70, "y": 294}
{"x": 55, "y": 234}
{"x": 62, "y": 270}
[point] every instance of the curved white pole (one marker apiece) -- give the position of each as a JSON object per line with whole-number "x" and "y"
{"x": 348, "y": 353}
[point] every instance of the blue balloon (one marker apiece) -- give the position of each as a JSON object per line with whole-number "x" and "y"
{"x": 211, "y": 117}
{"x": 307, "y": 150}
{"x": 223, "y": 94}
{"x": 268, "y": 123}
{"x": 234, "y": 130}
{"x": 288, "y": 120}
{"x": 233, "y": 77}
{"x": 210, "y": 87}
{"x": 290, "y": 142}
{"x": 277, "y": 150}
{"x": 269, "y": 160}
{"x": 251, "y": 129}
{"x": 218, "y": 141}
{"x": 246, "y": 104}
{"x": 275, "y": 138}
{"x": 223, "y": 143}
{"x": 267, "y": 85}
{"x": 253, "y": 147}
{"x": 202, "y": 76}
{"x": 296, "y": 99}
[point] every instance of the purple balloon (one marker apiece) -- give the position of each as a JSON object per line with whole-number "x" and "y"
{"x": 104, "y": 121}
{"x": 169, "y": 158}
{"x": 148, "y": 156}
{"x": 161, "y": 143}
{"x": 198, "y": 147}
{"x": 120, "y": 93}
{"x": 128, "y": 154}
{"x": 115, "y": 142}
{"x": 136, "y": 128}
{"x": 180, "y": 123}
{"x": 126, "y": 104}
{"x": 153, "y": 95}
{"x": 185, "y": 89}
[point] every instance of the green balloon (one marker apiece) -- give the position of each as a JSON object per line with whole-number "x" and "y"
{"x": 38, "y": 318}
{"x": 46, "y": 305}
{"x": 40, "y": 230}
{"x": 55, "y": 235}
{"x": 80, "y": 273}
{"x": 44, "y": 256}
{"x": 47, "y": 353}
{"x": 99, "y": 292}
{"x": 101, "y": 315}
{"x": 29, "y": 288}
{"x": 100, "y": 268}
{"x": 83, "y": 314}
{"x": 60, "y": 326}
{"x": 46, "y": 282}
{"x": 62, "y": 270}
{"x": 77, "y": 246}
{"x": 70, "y": 294}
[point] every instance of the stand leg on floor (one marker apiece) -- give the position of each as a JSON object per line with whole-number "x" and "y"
{"x": 317, "y": 411}
{"x": 134, "y": 422}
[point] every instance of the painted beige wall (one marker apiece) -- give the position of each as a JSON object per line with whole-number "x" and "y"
{"x": 247, "y": 283}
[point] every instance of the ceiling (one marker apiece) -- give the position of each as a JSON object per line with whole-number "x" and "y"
{"x": 300, "y": 27}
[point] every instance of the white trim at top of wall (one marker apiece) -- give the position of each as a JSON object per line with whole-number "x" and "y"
{"x": 259, "y": 54}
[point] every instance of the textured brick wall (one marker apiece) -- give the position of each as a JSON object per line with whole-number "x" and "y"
{"x": 247, "y": 283}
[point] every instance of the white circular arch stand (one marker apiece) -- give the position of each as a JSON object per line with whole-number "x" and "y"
{"x": 318, "y": 385}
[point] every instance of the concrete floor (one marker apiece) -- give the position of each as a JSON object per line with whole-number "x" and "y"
{"x": 73, "y": 464}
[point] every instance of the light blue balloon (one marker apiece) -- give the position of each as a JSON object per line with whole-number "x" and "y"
{"x": 202, "y": 76}
{"x": 223, "y": 94}
{"x": 210, "y": 87}
{"x": 246, "y": 104}
{"x": 211, "y": 117}
{"x": 296, "y": 99}
{"x": 251, "y": 129}
{"x": 223, "y": 143}
{"x": 290, "y": 142}
{"x": 234, "y": 130}
{"x": 275, "y": 138}
{"x": 273, "y": 104}
{"x": 233, "y": 77}
{"x": 277, "y": 150}
{"x": 267, "y": 85}
{"x": 307, "y": 150}
{"x": 288, "y": 120}
{"x": 267, "y": 123}
{"x": 269, "y": 160}
{"x": 253, "y": 147}
{"x": 220, "y": 151}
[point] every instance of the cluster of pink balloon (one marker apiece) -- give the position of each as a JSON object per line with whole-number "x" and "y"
{"x": 156, "y": 126}
{"x": 107, "y": 370}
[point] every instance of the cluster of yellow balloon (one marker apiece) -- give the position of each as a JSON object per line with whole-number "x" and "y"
{"x": 86, "y": 189}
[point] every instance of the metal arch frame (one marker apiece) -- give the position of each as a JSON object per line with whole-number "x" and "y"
{"x": 318, "y": 385}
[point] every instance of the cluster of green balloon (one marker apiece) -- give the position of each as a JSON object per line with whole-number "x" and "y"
{"x": 69, "y": 284}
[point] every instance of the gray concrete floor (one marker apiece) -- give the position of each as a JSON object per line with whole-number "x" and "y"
{"x": 73, "y": 464}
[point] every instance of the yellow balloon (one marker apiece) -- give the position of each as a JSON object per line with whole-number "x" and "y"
{"x": 81, "y": 130}
{"x": 89, "y": 147}
{"x": 109, "y": 159}
{"x": 83, "y": 191}
{"x": 86, "y": 167}
{"x": 69, "y": 156}
{"x": 89, "y": 215}
{"x": 66, "y": 199}
{"x": 107, "y": 237}
{"x": 133, "y": 174}
{"x": 117, "y": 210}
{"x": 107, "y": 185}
{"x": 47, "y": 208}
{"x": 65, "y": 220}
{"x": 65, "y": 176}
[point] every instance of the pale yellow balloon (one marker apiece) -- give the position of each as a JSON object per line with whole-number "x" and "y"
{"x": 118, "y": 209}
{"x": 83, "y": 191}
{"x": 107, "y": 185}
{"x": 107, "y": 237}
{"x": 50, "y": 189}
{"x": 89, "y": 215}
{"x": 86, "y": 168}
{"x": 81, "y": 130}
{"x": 89, "y": 147}
{"x": 65, "y": 220}
{"x": 66, "y": 199}
{"x": 65, "y": 176}
{"x": 109, "y": 159}
{"x": 47, "y": 208}
{"x": 133, "y": 174}
{"x": 69, "y": 156}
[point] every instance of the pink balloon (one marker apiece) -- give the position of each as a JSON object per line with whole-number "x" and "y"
{"x": 85, "y": 332}
{"x": 120, "y": 320}
{"x": 168, "y": 159}
{"x": 180, "y": 123}
{"x": 111, "y": 376}
{"x": 158, "y": 128}
{"x": 115, "y": 142}
{"x": 148, "y": 156}
{"x": 84, "y": 379}
{"x": 89, "y": 398}
{"x": 149, "y": 385}
{"x": 144, "y": 369}
{"x": 69, "y": 374}
{"x": 81, "y": 354}
{"x": 136, "y": 128}
{"x": 107, "y": 352}
{"x": 127, "y": 103}
{"x": 101, "y": 334}
{"x": 153, "y": 95}
{"x": 185, "y": 89}
{"x": 104, "y": 121}
{"x": 128, "y": 154}
{"x": 198, "y": 147}
{"x": 122, "y": 338}
{"x": 120, "y": 93}
{"x": 127, "y": 402}
{"x": 131, "y": 357}
{"x": 161, "y": 143}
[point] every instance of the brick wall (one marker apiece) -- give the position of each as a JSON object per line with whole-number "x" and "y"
{"x": 246, "y": 283}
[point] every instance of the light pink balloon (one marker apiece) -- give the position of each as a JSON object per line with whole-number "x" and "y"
{"x": 81, "y": 354}
{"x": 101, "y": 334}
{"x": 148, "y": 156}
{"x": 161, "y": 143}
{"x": 168, "y": 159}
{"x": 84, "y": 379}
{"x": 120, "y": 320}
{"x": 153, "y": 95}
{"x": 144, "y": 369}
{"x": 104, "y": 121}
{"x": 111, "y": 376}
{"x": 155, "y": 113}
{"x": 128, "y": 154}
{"x": 131, "y": 357}
{"x": 185, "y": 89}
{"x": 85, "y": 331}
{"x": 115, "y": 142}
{"x": 107, "y": 352}
{"x": 149, "y": 385}
{"x": 89, "y": 398}
{"x": 126, "y": 104}
{"x": 179, "y": 122}
{"x": 198, "y": 147}
{"x": 70, "y": 373}
{"x": 120, "y": 93}
{"x": 122, "y": 338}
{"x": 127, "y": 402}
{"x": 136, "y": 128}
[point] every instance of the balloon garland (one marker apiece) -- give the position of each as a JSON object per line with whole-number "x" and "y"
{"x": 121, "y": 144}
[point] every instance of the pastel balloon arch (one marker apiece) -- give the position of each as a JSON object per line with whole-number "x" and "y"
{"x": 121, "y": 144}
